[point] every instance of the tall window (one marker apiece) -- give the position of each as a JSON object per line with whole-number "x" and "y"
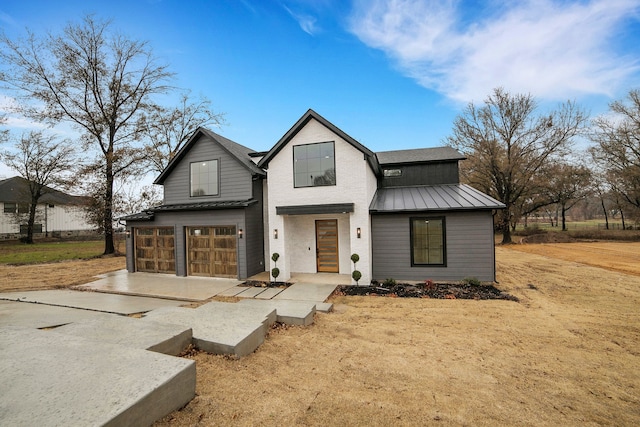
{"x": 204, "y": 178}
{"x": 428, "y": 241}
{"x": 314, "y": 165}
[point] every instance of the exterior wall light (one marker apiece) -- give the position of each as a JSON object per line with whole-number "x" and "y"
{"x": 240, "y": 233}
{"x": 275, "y": 233}
{"x": 128, "y": 234}
{"x": 358, "y": 232}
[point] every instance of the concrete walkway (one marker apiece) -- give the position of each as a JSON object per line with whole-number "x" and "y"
{"x": 99, "y": 366}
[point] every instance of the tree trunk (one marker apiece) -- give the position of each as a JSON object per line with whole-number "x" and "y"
{"x": 30, "y": 222}
{"x": 624, "y": 227}
{"x": 564, "y": 217}
{"x": 506, "y": 226}
{"x": 109, "y": 247}
{"x": 606, "y": 215}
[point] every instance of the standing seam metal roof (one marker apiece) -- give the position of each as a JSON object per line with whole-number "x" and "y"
{"x": 432, "y": 198}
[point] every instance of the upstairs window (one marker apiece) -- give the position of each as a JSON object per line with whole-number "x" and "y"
{"x": 314, "y": 165}
{"x": 428, "y": 242}
{"x": 205, "y": 178}
{"x": 10, "y": 208}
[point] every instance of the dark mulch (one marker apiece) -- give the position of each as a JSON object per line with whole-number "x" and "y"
{"x": 428, "y": 290}
{"x": 261, "y": 284}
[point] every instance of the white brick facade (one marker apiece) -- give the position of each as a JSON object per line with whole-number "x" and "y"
{"x": 355, "y": 183}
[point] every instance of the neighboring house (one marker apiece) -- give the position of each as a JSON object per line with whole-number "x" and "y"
{"x": 326, "y": 197}
{"x": 58, "y": 214}
{"x": 211, "y": 222}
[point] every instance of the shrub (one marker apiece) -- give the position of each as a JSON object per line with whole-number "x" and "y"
{"x": 275, "y": 272}
{"x": 389, "y": 282}
{"x": 471, "y": 281}
{"x": 355, "y": 258}
{"x": 275, "y": 256}
{"x": 356, "y": 275}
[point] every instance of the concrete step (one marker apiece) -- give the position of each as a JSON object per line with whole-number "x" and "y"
{"x": 216, "y": 330}
{"x": 144, "y": 334}
{"x": 288, "y": 312}
{"x": 54, "y": 379}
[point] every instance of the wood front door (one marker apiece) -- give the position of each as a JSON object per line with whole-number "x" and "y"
{"x": 327, "y": 246}
{"x": 155, "y": 250}
{"x": 212, "y": 252}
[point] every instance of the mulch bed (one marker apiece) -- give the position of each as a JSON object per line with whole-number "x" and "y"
{"x": 428, "y": 290}
{"x": 262, "y": 284}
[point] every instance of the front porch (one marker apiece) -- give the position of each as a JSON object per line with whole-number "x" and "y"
{"x": 310, "y": 278}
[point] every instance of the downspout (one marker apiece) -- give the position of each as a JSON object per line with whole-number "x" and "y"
{"x": 493, "y": 242}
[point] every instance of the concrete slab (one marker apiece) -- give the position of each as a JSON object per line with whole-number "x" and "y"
{"x": 43, "y": 316}
{"x": 133, "y": 333}
{"x": 224, "y": 311}
{"x": 108, "y": 303}
{"x": 215, "y": 334}
{"x": 307, "y": 292}
{"x": 160, "y": 285}
{"x": 51, "y": 379}
{"x": 269, "y": 293}
{"x": 251, "y": 292}
{"x": 288, "y": 312}
{"x": 232, "y": 292}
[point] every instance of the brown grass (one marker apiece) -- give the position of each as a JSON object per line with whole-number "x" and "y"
{"x": 567, "y": 354}
{"x": 56, "y": 275}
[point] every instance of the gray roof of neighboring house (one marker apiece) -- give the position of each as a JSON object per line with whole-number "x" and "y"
{"x": 16, "y": 190}
{"x": 149, "y": 214}
{"x": 431, "y": 198}
{"x": 419, "y": 155}
{"x": 240, "y": 152}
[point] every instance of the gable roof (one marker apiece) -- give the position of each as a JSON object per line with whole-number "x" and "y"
{"x": 431, "y": 198}
{"x": 301, "y": 123}
{"x": 16, "y": 190}
{"x": 237, "y": 151}
{"x": 419, "y": 155}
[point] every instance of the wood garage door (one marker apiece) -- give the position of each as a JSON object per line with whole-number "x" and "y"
{"x": 212, "y": 251}
{"x": 155, "y": 250}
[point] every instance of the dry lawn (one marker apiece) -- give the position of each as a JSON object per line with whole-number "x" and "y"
{"x": 567, "y": 354}
{"x": 56, "y": 275}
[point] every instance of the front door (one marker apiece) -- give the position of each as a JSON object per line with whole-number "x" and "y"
{"x": 327, "y": 246}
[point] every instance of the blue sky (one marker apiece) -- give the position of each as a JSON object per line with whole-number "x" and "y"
{"x": 392, "y": 74}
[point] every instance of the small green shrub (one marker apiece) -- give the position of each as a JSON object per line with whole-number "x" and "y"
{"x": 275, "y": 272}
{"x": 356, "y": 275}
{"x": 389, "y": 282}
{"x": 471, "y": 281}
{"x": 355, "y": 258}
{"x": 275, "y": 256}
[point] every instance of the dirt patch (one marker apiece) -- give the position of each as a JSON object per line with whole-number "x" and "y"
{"x": 264, "y": 284}
{"x": 427, "y": 290}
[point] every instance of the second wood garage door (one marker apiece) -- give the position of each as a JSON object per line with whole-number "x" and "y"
{"x": 212, "y": 251}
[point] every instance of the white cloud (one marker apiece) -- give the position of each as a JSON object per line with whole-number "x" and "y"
{"x": 307, "y": 22}
{"x": 552, "y": 49}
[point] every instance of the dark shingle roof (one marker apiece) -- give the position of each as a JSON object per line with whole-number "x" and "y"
{"x": 16, "y": 190}
{"x": 419, "y": 155}
{"x": 431, "y": 198}
{"x": 239, "y": 152}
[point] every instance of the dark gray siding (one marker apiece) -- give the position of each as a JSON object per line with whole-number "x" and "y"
{"x": 254, "y": 233}
{"x": 181, "y": 220}
{"x": 422, "y": 174}
{"x": 469, "y": 245}
{"x": 235, "y": 179}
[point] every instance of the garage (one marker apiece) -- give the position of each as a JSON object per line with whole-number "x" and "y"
{"x": 155, "y": 250}
{"x": 212, "y": 251}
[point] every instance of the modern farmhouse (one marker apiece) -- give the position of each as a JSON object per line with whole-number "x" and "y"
{"x": 317, "y": 197}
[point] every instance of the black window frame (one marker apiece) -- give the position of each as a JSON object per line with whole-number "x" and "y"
{"x": 444, "y": 240}
{"x": 293, "y": 153}
{"x": 217, "y": 194}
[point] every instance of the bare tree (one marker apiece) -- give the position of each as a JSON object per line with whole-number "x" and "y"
{"x": 100, "y": 81}
{"x": 167, "y": 129}
{"x": 42, "y": 161}
{"x": 618, "y": 146}
{"x": 508, "y": 143}
{"x": 566, "y": 185}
